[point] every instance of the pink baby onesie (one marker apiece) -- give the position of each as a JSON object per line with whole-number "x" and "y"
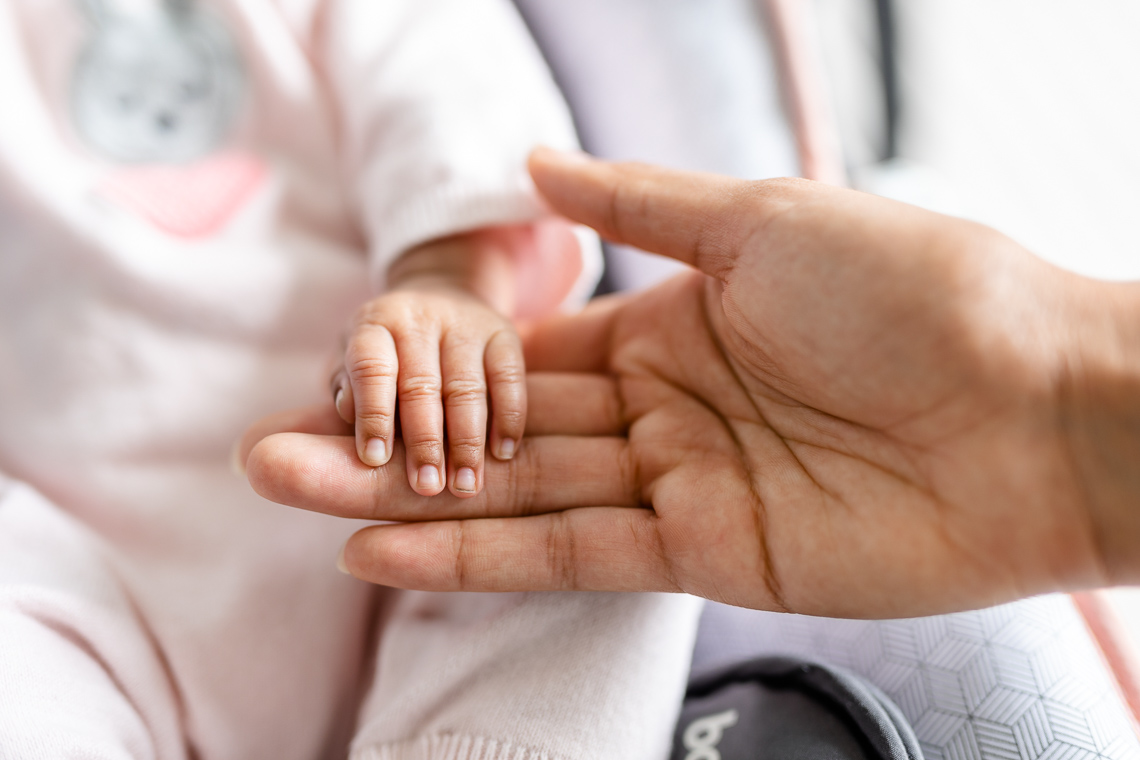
{"x": 194, "y": 196}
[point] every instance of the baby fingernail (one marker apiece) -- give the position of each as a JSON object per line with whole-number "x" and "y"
{"x": 376, "y": 452}
{"x": 507, "y": 448}
{"x": 339, "y": 401}
{"x": 428, "y": 478}
{"x": 340, "y": 565}
{"x": 465, "y": 480}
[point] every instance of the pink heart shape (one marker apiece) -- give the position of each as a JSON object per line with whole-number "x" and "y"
{"x": 188, "y": 201}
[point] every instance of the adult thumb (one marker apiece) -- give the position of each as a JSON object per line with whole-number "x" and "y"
{"x": 704, "y": 220}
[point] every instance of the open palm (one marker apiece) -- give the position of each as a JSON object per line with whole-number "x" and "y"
{"x": 823, "y": 421}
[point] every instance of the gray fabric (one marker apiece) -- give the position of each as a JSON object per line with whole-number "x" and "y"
{"x": 1018, "y": 682}
{"x": 791, "y": 709}
{"x": 689, "y": 84}
{"x": 160, "y": 85}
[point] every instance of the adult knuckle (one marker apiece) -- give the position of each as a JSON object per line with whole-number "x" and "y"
{"x": 560, "y": 553}
{"x": 629, "y": 199}
{"x": 381, "y": 488}
{"x": 463, "y": 560}
{"x": 630, "y": 475}
{"x": 524, "y": 473}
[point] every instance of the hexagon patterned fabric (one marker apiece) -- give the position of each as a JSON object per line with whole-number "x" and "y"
{"x": 1023, "y": 681}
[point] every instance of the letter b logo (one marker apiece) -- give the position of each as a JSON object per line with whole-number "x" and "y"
{"x": 704, "y": 734}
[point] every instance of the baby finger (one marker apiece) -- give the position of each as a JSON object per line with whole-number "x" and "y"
{"x": 506, "y": 381}
{"x": 465, "y": 412}
{"x": 372, "y": 366}
{"x": 342, "y": 396}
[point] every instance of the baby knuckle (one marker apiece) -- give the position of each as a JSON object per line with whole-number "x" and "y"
{"x": 423, "y": 442}
{"x": 366, "y": 367}
{"x": 465, "y": 390}
{"x": 466, "y": 448}
{"x": 508, "y": 373}
{"x": 426, "y": 452}
{"x": 375, "y": 416}
{"x": 510, "y": 418}
{"x": 505, "y": 345}
{"x": 382, "y": 310}
{"x": 368, "y": 337}
{"x": 420, "y": 387}
{"x": 364, "y": 318}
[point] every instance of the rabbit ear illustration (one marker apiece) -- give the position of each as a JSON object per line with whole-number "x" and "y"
{"x": 179, "y": 9}
{"x": 96, "y": 11}
{"x": 151, "y": 87}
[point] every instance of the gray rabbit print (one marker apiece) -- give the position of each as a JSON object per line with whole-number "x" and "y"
{"x": 156, "y": 85}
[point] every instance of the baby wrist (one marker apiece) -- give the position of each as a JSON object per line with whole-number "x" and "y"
{"x": 474, "y": 263}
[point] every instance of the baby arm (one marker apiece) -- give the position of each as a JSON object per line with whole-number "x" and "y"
{"x": 440, "y": 348}
{"x": 441, "y": 102}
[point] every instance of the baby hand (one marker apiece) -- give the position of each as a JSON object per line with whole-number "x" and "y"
{"x": 442, "y": 356}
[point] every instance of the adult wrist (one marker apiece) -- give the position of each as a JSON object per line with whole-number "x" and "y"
{"x": 1099, "y": 414}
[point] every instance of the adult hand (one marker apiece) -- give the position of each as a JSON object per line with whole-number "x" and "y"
{"x": 858, "y": 409}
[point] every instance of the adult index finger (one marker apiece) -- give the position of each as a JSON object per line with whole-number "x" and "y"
{"x": 549, "y": 473}
{"x": 319, "y": 419}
